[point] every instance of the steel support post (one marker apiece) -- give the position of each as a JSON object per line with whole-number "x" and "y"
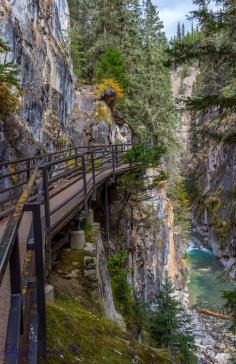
{"x": 15, "y": 320}
{"x": 28, "y": 165}
{"x": 107, "y": 223}
{"x": 47, "y": 215}
{"x": 85, "y": 183}
{"x": 40, "y": 274}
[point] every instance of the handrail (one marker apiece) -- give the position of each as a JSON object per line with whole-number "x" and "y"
{"x": 10, "y": 233}
{"x": 88, "y": 166}
{"x": 19, "y": 178}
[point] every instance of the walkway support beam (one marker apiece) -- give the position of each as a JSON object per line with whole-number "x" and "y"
{"x": 107, "y": 222}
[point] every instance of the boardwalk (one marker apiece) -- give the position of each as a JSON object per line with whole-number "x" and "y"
{"x": 69, "y": 184}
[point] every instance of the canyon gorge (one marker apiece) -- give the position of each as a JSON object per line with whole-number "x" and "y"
{"x": 173, "y": 218}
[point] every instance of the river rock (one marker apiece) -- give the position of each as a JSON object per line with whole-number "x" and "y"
{"x": 223, "y": 358}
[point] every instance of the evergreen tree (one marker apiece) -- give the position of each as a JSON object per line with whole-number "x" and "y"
{"x": 183, "y": 31}
{"x": 214, "y": 48}
{"x": 230, "y": 297}
{"x": 192, "y": 29}
{"x": 170, "y": 326}
{"x": 9, "y": 86}
{"x": 135, "y": 33}
{"x": 179, "y": 31}
{"x": 111, "y": 65}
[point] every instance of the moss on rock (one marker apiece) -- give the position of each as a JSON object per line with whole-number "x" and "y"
{"x": 103, "y": 113}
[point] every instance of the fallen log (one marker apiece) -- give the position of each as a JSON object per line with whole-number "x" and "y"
{"x": 215, "y": 314}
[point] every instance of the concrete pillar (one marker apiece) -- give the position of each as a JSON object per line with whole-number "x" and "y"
{"x": 77, "y": 240}
{"x": 90, "y": 217}
{"x": 49, "y": 293}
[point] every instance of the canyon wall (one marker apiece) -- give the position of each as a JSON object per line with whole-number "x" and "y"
{"x": 142, "y": 224}
{"x": 37, "y": 34}
{"x": 215, "y": 185}
{"x": 209, "y": 165}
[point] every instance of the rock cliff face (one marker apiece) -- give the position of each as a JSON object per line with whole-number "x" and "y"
{"x": 210, "y": 167}
{"x": 37, "y": 33}
{"x": 216, "y": 186}
{"x": 143, "y": 225}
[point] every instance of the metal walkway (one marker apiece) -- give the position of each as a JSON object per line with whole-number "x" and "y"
{"x": 38, "y": 197}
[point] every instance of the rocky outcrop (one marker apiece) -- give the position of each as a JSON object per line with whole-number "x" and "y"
{"x": 143, "y": 225}
{"x": 93, "y": 121}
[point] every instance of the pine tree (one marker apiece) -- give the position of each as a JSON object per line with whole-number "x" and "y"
{"x": 214, "y": 48}
{"x": 178, "y": 30}
{"x": 111, "y": 65}
{"x": 170, "y": 326}
{"x": 192, "y": 29}
{"x": 230, "y": 305}
{"x": 183, "y": 31}
{"x": 136, "y": 33}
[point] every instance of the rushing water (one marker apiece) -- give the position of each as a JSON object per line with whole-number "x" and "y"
{"x": 207, "y": 279}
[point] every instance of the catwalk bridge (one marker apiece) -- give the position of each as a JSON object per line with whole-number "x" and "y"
{"x": 38, "y": 197}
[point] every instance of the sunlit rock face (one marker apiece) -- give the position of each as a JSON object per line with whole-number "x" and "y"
{"x": 37, "y": 33}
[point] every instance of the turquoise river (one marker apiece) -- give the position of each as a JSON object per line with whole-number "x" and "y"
{"x": 207, "y": 279}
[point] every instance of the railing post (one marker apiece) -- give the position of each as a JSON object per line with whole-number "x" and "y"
{"x": 107, "y": 224}
{"x": 113, "y": 162}
{"x": 15, "y": 321}
{"x": 46, "y": 197}
{"x": 47, "y": 214}
{"x": 76, "y": 158}
{"x": 28, "y": 169}
{"x": 40, "y": 274}
{"x": 93, "y": 168}
{"x": 85, "y": 182}
{"x": 116, "y": 151}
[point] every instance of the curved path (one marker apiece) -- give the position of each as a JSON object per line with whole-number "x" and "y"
{"x": 66, "y": 198}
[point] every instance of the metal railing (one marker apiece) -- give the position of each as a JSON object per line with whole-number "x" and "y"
{"x": 33, "y": 183}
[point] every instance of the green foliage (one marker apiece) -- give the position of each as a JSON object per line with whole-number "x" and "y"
{"x": 111, "y": 65}
{"x": 213, "y": 203}
{"x": 214, "y": 49}
{"x": 184, "y": 73}
{"x": 9, "y": 86}
{"x": 8, "y": 70}
{"x": 231, "y": 306}
{"x": 144, "y": 156}
{"x": 180, "y": 199}
{"x": 75, "y": 332}
{"x": 124, "y": 41}
{"x": 90, "y": 232}
{"x": 125, "y": 301}
{"x": 192, "y": 185}
{"x": 77, "y": 54}
{"x": 170, "y": 326}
